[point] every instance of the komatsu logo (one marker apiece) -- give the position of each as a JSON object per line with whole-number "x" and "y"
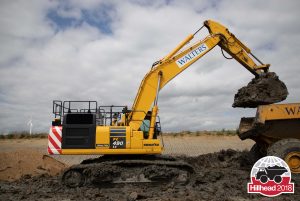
{"x": 192, "y": 55}
{"x": 150, "y": 145}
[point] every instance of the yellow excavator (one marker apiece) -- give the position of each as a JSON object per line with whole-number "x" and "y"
{"x": 128, "y": 138}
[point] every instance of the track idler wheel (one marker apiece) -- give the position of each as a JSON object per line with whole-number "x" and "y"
{"x": 73, "y": 178}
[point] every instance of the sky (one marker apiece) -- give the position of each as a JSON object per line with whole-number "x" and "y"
{"x": 101, "y": 50}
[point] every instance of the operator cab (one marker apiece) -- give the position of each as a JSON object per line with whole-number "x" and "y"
{"x": 78, "y": 121}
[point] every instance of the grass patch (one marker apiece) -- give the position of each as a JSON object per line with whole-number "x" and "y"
{"x": 222, "y": 132}
{"x": 23, "y": 135}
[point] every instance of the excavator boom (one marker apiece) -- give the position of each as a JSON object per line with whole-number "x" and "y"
{"x": 176, "y": 62}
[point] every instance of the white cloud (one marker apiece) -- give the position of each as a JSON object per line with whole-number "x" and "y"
{"x": 41, "y": 61}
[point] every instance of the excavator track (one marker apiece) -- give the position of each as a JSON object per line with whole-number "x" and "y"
{"x": 105, "y": 171}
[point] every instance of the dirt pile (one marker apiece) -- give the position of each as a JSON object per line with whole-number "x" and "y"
{"x": 219, "y": 176}
{"x": 14, "y": 165}
{"x": 266, "y": 89}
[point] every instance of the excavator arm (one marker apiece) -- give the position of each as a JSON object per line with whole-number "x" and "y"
{"x": 175, "y": 62}
{"x": 236, "y": 48}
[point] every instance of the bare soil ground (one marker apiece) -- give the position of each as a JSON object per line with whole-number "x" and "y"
{"x": 222, "y": 175}
{"x": 14, "y": 165}
{"x": 180, "y": 145}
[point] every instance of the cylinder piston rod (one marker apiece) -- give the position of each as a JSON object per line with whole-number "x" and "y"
{"x": 155, "y": 108}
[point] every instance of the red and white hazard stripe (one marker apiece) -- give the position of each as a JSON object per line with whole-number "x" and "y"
{"x": 54, "y": 140}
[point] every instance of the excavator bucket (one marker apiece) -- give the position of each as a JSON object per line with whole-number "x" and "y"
{"x": 264, "y": 90}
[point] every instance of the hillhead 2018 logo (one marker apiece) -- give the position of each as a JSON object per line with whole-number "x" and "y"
{"x": 270, "y": 176}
